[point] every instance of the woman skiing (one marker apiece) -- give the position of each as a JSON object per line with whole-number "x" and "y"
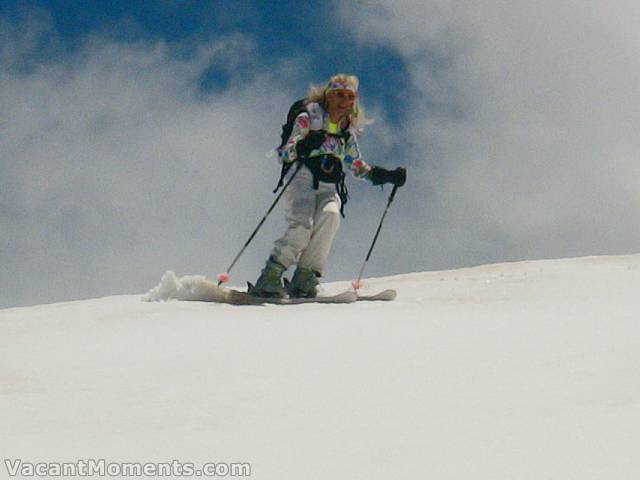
{"x": 324, "y": 140}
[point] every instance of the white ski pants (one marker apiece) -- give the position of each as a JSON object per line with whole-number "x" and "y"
{"x": 313, "y": 219}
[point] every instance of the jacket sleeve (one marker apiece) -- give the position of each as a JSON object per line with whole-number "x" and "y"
{"x": 353, "y": 159}
{"x": 301, "y": 127}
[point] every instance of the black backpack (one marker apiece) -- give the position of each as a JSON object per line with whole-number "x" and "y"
{"x": 296, "y": 109}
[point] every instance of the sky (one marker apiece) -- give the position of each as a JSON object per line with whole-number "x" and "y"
{"x": 134, "y": 135}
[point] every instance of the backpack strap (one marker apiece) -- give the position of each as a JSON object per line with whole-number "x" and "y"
{"x": 283, "y": 173}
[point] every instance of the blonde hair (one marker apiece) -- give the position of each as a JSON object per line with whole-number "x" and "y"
{"x": 357, "y": 118}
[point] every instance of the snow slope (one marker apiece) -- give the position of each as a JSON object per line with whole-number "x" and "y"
{"x": 512, "y": 371}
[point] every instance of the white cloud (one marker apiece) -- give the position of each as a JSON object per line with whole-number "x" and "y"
{"x": 115, "y": 165}
{"x": 524, "y": 125}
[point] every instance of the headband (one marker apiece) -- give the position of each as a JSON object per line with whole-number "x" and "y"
{"x": 341, "y": 86}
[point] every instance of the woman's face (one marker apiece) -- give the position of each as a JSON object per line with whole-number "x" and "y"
{"x": 340, "y": 103}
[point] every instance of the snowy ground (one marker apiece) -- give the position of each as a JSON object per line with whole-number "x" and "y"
{"x": 513, "y": 371}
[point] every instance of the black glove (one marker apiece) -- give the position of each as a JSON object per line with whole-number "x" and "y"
{"x": 313, "y": 140}
{"x": 397, "y": 177}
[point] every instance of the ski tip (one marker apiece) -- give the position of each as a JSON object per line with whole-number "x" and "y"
{"x": 388, "y": 295}
{"x": 385, "y": 296}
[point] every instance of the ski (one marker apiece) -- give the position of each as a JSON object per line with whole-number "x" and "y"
{"x": 236, "y": 297}
{"x": 208, "y": 291}
{"x": 384, "y": 296}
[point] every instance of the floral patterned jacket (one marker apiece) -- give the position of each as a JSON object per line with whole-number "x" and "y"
{"x": 317, "y": 119}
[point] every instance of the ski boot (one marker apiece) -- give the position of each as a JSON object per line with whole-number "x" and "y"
{"x": 304, "y": 283}
{"x": 269, "y": 284}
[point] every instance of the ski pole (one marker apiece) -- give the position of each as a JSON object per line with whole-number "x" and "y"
{"x": 357, "y": 283}
{"x": 224, "y": 277}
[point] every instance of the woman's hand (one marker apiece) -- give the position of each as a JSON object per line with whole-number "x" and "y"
{"x": 396, "y": 177}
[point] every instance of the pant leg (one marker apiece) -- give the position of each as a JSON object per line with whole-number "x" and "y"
{"x": 300, "y": 209}
{"x": 326, "y": 222}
